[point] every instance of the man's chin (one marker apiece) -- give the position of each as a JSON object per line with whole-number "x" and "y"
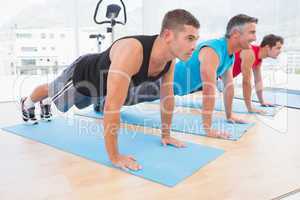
{"x": 184, "y": 58}
{"x": 247, "y": 46}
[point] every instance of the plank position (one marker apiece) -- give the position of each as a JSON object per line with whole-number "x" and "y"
{"x": 129, "y": 62}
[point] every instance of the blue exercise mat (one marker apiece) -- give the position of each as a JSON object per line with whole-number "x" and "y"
{"x": 238, "y": 105}
{"x": 279, "y": 96}
{"x": 164, "y": 165}
{"x": 182, "y": 122}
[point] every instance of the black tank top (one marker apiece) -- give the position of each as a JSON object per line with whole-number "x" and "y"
{"x": 90, "y": 74}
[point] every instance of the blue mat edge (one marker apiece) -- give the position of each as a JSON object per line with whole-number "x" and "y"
{"x": 219, "y": 110}
{"x": 84, "y": 114}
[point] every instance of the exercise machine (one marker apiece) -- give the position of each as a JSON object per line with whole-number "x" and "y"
{"x": 112, "y": 13}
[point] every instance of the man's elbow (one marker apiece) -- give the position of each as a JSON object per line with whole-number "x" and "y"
{"x": 246, "y": 80}
{"x": 206, "y": 75}
{"x": 112, "y": 107}
{"x": 229, "y": 87}
{"x": 168, "y": 101}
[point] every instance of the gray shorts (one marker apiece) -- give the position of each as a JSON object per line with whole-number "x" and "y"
{"x": 63, "y": 93}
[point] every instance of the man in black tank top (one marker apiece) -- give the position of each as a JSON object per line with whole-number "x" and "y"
{"x": 130, "y": 61}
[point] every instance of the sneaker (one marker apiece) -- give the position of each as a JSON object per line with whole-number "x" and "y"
{"x": 46, "y": 114}
{"x": 28, "y": 115}
{"x": 99, "y": 106}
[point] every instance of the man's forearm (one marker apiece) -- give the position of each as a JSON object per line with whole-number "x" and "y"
{"x": 208, "y": 106}
{"x": 247, "y": 90}
{"x": 166, "y": 108}
{"x": 228, "y": 98}
{"x": 259, "y": 91}
{"x": 111, "y": 127}
{"x": 259, "y": 85}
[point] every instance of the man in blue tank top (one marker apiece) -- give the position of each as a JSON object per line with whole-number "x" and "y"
{"x": 212, "y": 59}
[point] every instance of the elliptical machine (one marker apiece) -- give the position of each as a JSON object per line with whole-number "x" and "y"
{"x": 112, "y": 13}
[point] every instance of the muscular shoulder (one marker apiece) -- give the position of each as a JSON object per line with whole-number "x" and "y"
{"x": 247, "y": 55}
{"x": 208, "y": 55}
{"x": 127, "y": 54}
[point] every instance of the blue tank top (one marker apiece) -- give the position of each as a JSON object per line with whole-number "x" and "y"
{"x": 187, "y": 73}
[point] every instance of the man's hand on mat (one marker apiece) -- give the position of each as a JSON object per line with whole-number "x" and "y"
{"x": 267, "y": 104}
{"x": 258, "y": 111}
{"x": 234, "y": 119}
{"x": 168, "y": 140}
{"x": 218, "y": 134}
{"x": 126, "y": 163}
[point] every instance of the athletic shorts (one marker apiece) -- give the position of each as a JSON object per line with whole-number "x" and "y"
{"x": 63, "y": 93}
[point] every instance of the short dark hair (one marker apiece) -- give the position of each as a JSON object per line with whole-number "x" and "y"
{"x": 237, "y": 22}
{"x": 176, "y": 19}
{"x": 271, "y": 40}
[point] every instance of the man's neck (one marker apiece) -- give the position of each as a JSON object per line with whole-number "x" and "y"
{"x": 160, "y": 51}
{"x": 262, "y": 53}
{"x": 231, "y": 46}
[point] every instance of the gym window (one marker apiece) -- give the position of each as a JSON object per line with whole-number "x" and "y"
{"x": 28, "y": 62}
{"x": 29, "y": 49}
{"x": 23, "y": 35}
{"x": 43, "y": 35}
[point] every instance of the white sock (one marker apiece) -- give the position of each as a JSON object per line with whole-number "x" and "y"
{"x": 28, "y": 103}
{"x": 47, "y": 101}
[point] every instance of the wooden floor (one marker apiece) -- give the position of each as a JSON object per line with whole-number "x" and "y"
{"x": 263, "y": 164}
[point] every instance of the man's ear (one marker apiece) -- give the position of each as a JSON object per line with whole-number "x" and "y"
{"x": 168, "y": 35}
{"x": 269, "y": 47}
{"x": 236, "y": 34}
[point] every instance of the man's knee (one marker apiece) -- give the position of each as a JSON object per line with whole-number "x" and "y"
{"x": 45, "y": 88}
